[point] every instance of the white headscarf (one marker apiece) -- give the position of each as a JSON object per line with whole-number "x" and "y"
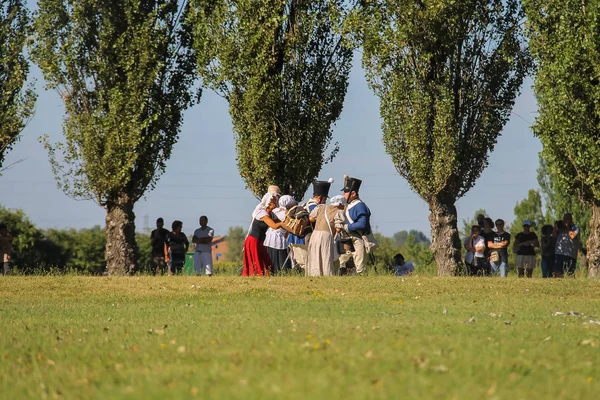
{"x": 261, "y": 210}
{"x": 338, "y": 200}
{"x": 287, "y": 202}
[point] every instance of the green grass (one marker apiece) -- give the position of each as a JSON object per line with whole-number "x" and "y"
{"x": 298, "y": 338}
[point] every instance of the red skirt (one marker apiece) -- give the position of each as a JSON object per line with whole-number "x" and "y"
{"x": 256, "y": 258}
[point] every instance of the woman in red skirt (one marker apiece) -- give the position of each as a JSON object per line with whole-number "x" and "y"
{"x": 256, "y": 258}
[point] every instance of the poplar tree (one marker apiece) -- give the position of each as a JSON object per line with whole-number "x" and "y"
{"x": 283, "y": 67}
{"x": 447, "y": 73}
{"x": 124, "y": 70}
{"x": 16, "y": 100}
{"x": 565, "y": 44}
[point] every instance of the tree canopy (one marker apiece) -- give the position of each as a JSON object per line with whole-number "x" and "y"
{"x": 447, "y": 74}
{"x": 16, "y": 101}
{"x": 283, "y": 67}
{"x": 125, "y": 72}
{"x": 565, "y": 43}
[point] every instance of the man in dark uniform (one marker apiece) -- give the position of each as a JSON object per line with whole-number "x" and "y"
{"x": 358, "y": 224}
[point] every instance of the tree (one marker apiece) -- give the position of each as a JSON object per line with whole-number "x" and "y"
{"x": 16, "y": 102}
{"x": 235, "y": 243}
{"x": 283, "y": 67}
{"x": 419, "y": 237}
{"x": 559, "y": 200}
{"x": 447, "y": 74}
{"x": 565, "y": 44}
{"x": 124, "y": 70}
{"x": 529, "y": 208}
{"x": 468, "y": 224}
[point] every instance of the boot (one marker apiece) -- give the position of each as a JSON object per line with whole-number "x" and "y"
{"x": 521, "y": 272}
{"x": 530, "y": 273}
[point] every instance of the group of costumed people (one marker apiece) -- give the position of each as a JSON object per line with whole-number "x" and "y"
{"x": 335, "y": 233}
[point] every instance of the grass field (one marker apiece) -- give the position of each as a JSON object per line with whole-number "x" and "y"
{"x": 298, "y": 338}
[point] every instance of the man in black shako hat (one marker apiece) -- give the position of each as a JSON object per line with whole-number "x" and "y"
{"x": 358, "y": 223}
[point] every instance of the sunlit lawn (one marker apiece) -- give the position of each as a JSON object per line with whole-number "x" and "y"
{"x": 298, "y": 338}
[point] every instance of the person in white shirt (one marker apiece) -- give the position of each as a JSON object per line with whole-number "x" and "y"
{"x": 402, "y": 268}
{"x": 275, "y": 239}
{"x": 475, "y": 257}
{"x": 203, "y": 238}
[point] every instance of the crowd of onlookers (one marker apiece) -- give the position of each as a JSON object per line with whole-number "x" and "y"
{"x": 487, "y": 249}
{"x": 169, "y": 248}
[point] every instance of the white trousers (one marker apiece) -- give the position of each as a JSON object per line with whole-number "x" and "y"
{"x": 203, "y": 263}
{"x": 358, "y": 255}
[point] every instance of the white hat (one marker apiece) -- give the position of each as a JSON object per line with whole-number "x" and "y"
{"x": 338, "y": 200}
{"x": 527, "y": 222}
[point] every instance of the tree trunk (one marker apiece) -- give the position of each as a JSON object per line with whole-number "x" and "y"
{"x": 445, "y": 242}
{"x": 121, "y": 247}
{"x": 593, "y": 244}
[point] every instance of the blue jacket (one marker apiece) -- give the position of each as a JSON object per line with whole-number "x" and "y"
{"x": 361, "y": 217}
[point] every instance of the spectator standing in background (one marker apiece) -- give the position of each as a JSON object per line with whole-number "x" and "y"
{"x": 548, "y": 245}
{"x": 5, "y": 249}
{"x": 566, "y": 234}
{"x": 203, "y": 237}
{"x": 475, "y": 257}
{"x": 481, "y": 222}
{"x": 488, "y": 236}
{"x": 499, "y": 249}
{"x": 176, "y": 245}
{"x": 524, "y": 246}
{"x": 157, "y": 241}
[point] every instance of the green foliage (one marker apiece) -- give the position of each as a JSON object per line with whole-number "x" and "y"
{"x": 26, "y": 238}
{"x": 529, "y": 208}
{"x": 283, "y": 67}
{"x": 467, "y": 224}
{"x": 565, "y": 43}
{"x": 235, "y": 244}
{"x": 124, "y": 71}
{"x": 144, "y": 264}
{"x": 447, "y": 74}
{"x": 81, "y": 250}
{"x": 413, "y": 249}
{"x": 420, "y": 237}
{"x": 559, "y": 199}
{"x": 16, "y": 103}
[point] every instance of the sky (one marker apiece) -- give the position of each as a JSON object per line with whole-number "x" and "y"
{"x": 207, "y": 144}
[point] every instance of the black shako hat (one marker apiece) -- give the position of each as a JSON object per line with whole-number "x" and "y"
{"x": 321, "y": 188}
{"x": 351, "y": 184}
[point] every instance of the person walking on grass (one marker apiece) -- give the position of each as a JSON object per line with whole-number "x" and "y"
{"x": 203, "y": 237}
{"x": 566, "y": 234}
{"x": 5, "y": 250}
{"x": 499, "y": 250}
{"x": 524, "y": 246}
{"x": 157, "y": 241}
{"x": 176, "y": 245}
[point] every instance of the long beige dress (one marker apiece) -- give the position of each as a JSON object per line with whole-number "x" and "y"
{"x": 321, "y": 244}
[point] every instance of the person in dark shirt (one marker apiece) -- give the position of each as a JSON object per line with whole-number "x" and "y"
{"x": 525, "y": 244}
{"x": 177, "y": 245}
{"x": 499, "y": 262}
{"x": 548, "y": 245}
{"x": 157, "y": 241}
{"x": 488, "y": 235}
